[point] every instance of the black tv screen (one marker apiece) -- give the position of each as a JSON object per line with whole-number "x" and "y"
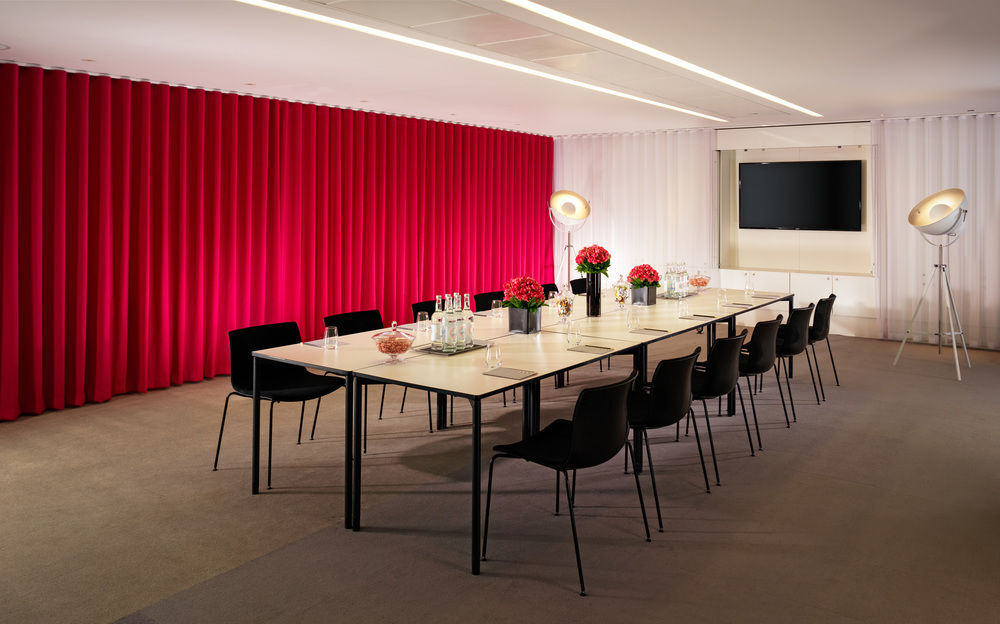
{"x": 820, "y": 195}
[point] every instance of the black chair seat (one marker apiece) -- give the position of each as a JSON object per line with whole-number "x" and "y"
{"x": 305, "y": 388}
{"x": 550, "y": 447}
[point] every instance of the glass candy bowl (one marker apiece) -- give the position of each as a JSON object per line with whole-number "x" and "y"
{"x": 699, "y": 281}
{"x": 393, "y": 342}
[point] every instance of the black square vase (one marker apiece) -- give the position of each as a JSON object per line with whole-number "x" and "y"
{"x": 521, "y": 321}
{"x": 644, "y": 296}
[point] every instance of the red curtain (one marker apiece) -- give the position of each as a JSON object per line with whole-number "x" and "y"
{"x": 142, "y": 222}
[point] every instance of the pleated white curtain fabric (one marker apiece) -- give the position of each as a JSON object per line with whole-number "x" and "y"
{"x": 652, "y": 195}
{"x": 917, "y": 157}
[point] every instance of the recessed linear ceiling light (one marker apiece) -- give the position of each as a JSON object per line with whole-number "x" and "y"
{"x": 384, "y": 34}
{"x": 645, "y": 49}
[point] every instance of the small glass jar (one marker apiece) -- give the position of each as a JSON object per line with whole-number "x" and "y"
{"x": 563, "y": 303}
{"x": 393, "y": 342}
{"x": 621, "y": 290}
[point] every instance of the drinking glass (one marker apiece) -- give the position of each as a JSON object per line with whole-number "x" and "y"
{"x": 574, "y": 334}
{"x": 330, "y": 338}
{"x": 683, "y": 309}
{"x": 494, "y": 355}
{"x": 496, "y": 308}
{"x": 422, "y": 325}
{"x": 721, "y": 298}
{"x": 632, "y": 317}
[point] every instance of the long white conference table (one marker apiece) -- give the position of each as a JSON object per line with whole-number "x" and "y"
{"x": 545, "y": 354}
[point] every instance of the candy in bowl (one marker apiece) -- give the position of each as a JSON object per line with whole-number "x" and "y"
{"x": 699, "y": 281}
{"x": 393, "y": 342}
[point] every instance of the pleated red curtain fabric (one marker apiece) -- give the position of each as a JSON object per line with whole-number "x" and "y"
{"x": 142, "y": 222}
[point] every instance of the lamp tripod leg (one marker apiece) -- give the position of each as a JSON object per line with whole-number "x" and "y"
{"x": 958, "y": 321}
{"x": 954, "y": 343}
{"x": 909, "y": 327}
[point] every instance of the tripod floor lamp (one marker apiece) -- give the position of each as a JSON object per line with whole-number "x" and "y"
{"x": 942, "y": 214}
{"x": 568, "y": 212}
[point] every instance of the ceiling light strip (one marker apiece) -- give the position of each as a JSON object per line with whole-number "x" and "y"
{"x": 384, "y": 34}
{"x": 569, "y": 20}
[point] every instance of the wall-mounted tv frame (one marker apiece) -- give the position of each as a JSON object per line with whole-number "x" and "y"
{"x": 825, "y": 195}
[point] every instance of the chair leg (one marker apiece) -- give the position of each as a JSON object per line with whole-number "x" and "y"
{"x": 819, "y": 375}
{"x": 652, "y": 480}
{"x": 315, "y": 417}
{"x": 832, "y": 363}
{"x": 600, "y": 365}
{"x": 218, "y": 447}
{"x": 788, "y": 387}
{"x": 270, "y": 440}
{"x": 576, "y": 542}
{"x": 687, "y": 424}
{"x": 811, "y": 376}
{"x": 753, "y": 409}
{"x": 381, "y": 403}
{"x": 711, "y": 443}
{"x": 746, "y": 422}
{"x": 557, "y": 493}
{"x": 513, "y": 392}
{"x": 489, "y": 497}
{"x": 430, "y": 414}
{"x": 677, "y": 434}
{"x": 701, "y": 456}
{"x": 638, "y": 490}
{"x": 781, "y": 392}
{"x": 402, "y": 403}
{"x": 302, "y": 415}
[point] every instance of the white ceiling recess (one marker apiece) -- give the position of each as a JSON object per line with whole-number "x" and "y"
{"x": 849, "y": 60}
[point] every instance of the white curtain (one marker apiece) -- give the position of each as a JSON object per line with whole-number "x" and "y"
{"x": 917, "y": 157}
{"x": 652, "y": 195}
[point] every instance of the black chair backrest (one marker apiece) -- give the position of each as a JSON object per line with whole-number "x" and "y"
{"x": 485, "y": 300}
{"x": 792, "y": 336}
{"x": 578, "y": 286}
{"x": 761, "y": 349}
{"x": 600, "y": 423}
{"x": 549, "y": 288}
{"x": 670, "y": 396}
{"x": 354, "y": 322}
{"x": 722, "y": 369}
{"x": 423, "y": 306}
{"x": 820, "y": 328}
{"x": 243, "y": 342}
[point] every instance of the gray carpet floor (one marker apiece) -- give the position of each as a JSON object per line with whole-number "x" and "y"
{"x": 880, "y": 505}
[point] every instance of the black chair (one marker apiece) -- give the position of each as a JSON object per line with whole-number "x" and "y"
{"x": 792, "y": 339}
{"x": 348, "y": 323}
{"x": 578, "y": 286}
{"x": 596, "y": 434}
{"x": 665, "y": 401}
{"x": 279, "y": 382}
{"x": 717, "y": 377}
{"x": 485, "y": 300}
{"x": 758, "y": 356}
{"x": 549, "y": 289}
{"x": 820, "y": 330}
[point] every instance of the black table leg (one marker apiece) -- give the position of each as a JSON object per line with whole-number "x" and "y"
{"x": 349, "y": 451}
{"x": 639, "y": 357}
{"x": 255, "y": 441}
{"x": 442, "y": 410}
{"x": 356, "y": 489}
{"x": 731, "y": 397}
{"x": 477, "y": 486}
{"x": 560, "y": 380}
{"x": 531, "y": 406}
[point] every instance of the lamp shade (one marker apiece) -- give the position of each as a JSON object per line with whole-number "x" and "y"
{"x": 940, "y": 213}
{"x": 569, "y": 208}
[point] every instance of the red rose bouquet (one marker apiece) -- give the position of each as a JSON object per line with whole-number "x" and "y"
{"x": 643, "y": 275}
{"x": 523, "y": 292}
{"x": 593, "y": 259}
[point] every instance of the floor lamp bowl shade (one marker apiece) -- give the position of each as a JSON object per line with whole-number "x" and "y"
{"x": 941, "y": 213}
{"x": 569, "y": 209}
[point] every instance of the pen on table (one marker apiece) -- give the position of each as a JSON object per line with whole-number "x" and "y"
{"x": 598, "y": 346}
{"x": 703, "y": 315}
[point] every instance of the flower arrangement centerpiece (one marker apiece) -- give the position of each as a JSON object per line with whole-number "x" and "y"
{"x": 593, "y": 261}
{"x": 644, "y": 280}
{"x": 524, "y": 297}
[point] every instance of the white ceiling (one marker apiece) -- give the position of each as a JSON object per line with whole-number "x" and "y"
{"x": 848, "y": 60}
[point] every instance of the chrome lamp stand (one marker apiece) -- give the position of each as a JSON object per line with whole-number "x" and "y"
{"x": 946, "y": 300}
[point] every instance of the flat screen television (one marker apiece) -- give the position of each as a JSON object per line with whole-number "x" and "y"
{"x": 818, "y": 195}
